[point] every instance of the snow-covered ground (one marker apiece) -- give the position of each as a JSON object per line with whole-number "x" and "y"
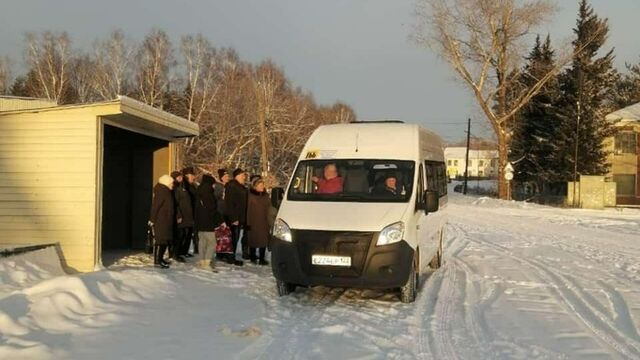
{"x": 520, "y": 282}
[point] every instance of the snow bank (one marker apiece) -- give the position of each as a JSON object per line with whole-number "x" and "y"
{"x": 128, "y": 313}
{"x": 27, "y": 269}
{"x": 41, "y": 321}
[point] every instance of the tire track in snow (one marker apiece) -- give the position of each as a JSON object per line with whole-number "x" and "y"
{"x": 445, "y": 292}
{"x": 621, "y": 313}
{"x": 444, "y": 310}
{"x": 479, "y": 296}
{"x": 283, "y": 344}
{"x": 474, "y": 309}
{"x": 424, "y": 312}
{"x": 591, "y": 317}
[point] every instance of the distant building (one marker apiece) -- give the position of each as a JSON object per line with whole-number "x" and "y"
{"x": 625, "y": 155}
{"x": 482, "y": 163}
{"x": 81, "y": 176}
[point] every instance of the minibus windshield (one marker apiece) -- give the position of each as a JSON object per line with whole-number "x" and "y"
{"x": 353, "y": 180}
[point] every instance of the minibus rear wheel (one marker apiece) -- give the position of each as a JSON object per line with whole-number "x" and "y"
{"x": 436, "y": 262}
{"x": 284, "y": 288}
{"x": 409, "y": 290}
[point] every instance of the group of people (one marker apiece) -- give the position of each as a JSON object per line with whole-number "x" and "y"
{"x": 215, "y": 215}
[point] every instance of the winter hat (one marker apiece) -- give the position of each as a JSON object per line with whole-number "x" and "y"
{"x": 175, "y": 174}
{"x": 255, "y": 180}
{"x": 254, "y": 177}
{"x": 207, "y": 180}
{"x": 222, "y": 173}
{"x": 166, "y": 180}
{"x": 188, "y": 170}
{"x": 237, "y": 172}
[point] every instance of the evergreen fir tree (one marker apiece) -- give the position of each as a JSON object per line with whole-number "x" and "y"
{"x": 627, "y": 88}
{"x": 19, "y": 87}
{"x": 534, "y": 138}
{"x": 585, "y": 86}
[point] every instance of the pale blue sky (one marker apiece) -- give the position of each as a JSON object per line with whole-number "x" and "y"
{"x": 356, "y": 51}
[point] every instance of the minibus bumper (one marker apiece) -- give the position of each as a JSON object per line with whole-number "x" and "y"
{"x": 384, "y": 267}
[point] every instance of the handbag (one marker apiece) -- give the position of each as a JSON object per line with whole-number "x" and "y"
{"x": 223, "y": 239}
{"x": 150, "y": 240}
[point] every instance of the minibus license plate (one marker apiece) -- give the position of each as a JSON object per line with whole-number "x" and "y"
{"x": 327, "y": 260}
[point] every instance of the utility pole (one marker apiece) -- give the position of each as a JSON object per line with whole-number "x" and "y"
{"x": 575, "y": 156}
{"x": 466, "y": 160}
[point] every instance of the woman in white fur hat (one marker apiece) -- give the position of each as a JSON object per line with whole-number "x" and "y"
{"x": 162, "y": 218}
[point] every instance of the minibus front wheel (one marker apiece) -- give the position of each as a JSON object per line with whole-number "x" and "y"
{"x": 284, "y": 288}
{"x": 409, "y": 290}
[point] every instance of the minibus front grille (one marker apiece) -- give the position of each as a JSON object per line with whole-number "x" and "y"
{"x": 339, "y": 243}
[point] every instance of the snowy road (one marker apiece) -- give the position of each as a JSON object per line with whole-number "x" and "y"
{"x": 520, "y": 282}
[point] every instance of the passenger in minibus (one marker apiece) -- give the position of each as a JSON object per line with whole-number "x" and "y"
{"x": 388, "y": 187}
{"x": 331, "y": 182}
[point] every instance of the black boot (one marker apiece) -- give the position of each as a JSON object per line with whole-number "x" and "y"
{"x": 263, "y": 254}
{"x": 195, "y": 242}
{"x": 159, "y": 261}
{"x": 162, "y": 249}
{"x": 155, "y": 254}
{"x": 246, "y": 254}
{"x": 174, "y": 253}
{"x": 244, "y": 241}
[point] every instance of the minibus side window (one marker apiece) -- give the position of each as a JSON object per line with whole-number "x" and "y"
{"x": 432, "y": 179}
{"x": 436, "y": 177}
{"x": 420, "y": 187}
{"x": 441, "y": 172}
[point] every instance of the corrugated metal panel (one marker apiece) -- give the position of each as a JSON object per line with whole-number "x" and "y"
{"x": 8, "y": 103}
{"x": 48, "y": 181}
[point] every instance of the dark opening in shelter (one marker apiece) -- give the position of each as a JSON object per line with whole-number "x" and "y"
{"x": 127, "y": 183}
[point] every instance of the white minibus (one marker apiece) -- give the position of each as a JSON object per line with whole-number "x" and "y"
{"x": 365, "y": 207}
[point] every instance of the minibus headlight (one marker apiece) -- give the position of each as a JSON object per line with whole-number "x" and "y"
{"x": 391, "y": 234}
{"x": 281, "y": 230}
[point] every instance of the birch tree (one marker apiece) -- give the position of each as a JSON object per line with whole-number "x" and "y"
{"x": 153, "y": 63}
{"x": 48, "y": 56}
{"x": 5, "y": 75}
{"x": 202, "y": 72}
{"x": 82, "y": 78}
{"x": 269, "y": 85}
{"x": 113, "y": 62}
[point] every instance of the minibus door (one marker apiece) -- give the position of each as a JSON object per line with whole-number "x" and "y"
{"x": 427, "y": 223}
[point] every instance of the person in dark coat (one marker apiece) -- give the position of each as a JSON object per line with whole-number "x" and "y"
{"x": 191, "y": 185}
{"x": 162, "y": 218}
{"x": 235, "y": 207}
{"x": 224, "y": 177}
{"x": 258, "y": 220}
{"x": 207, "y": 220}
{"x": 184, "y": 218}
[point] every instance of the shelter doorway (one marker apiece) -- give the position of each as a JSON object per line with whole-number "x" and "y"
{"x": 130, "y": 164}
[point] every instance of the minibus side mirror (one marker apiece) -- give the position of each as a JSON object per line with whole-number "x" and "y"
{"x": 277, "y": 194}
{"x": 431, "y": 201}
